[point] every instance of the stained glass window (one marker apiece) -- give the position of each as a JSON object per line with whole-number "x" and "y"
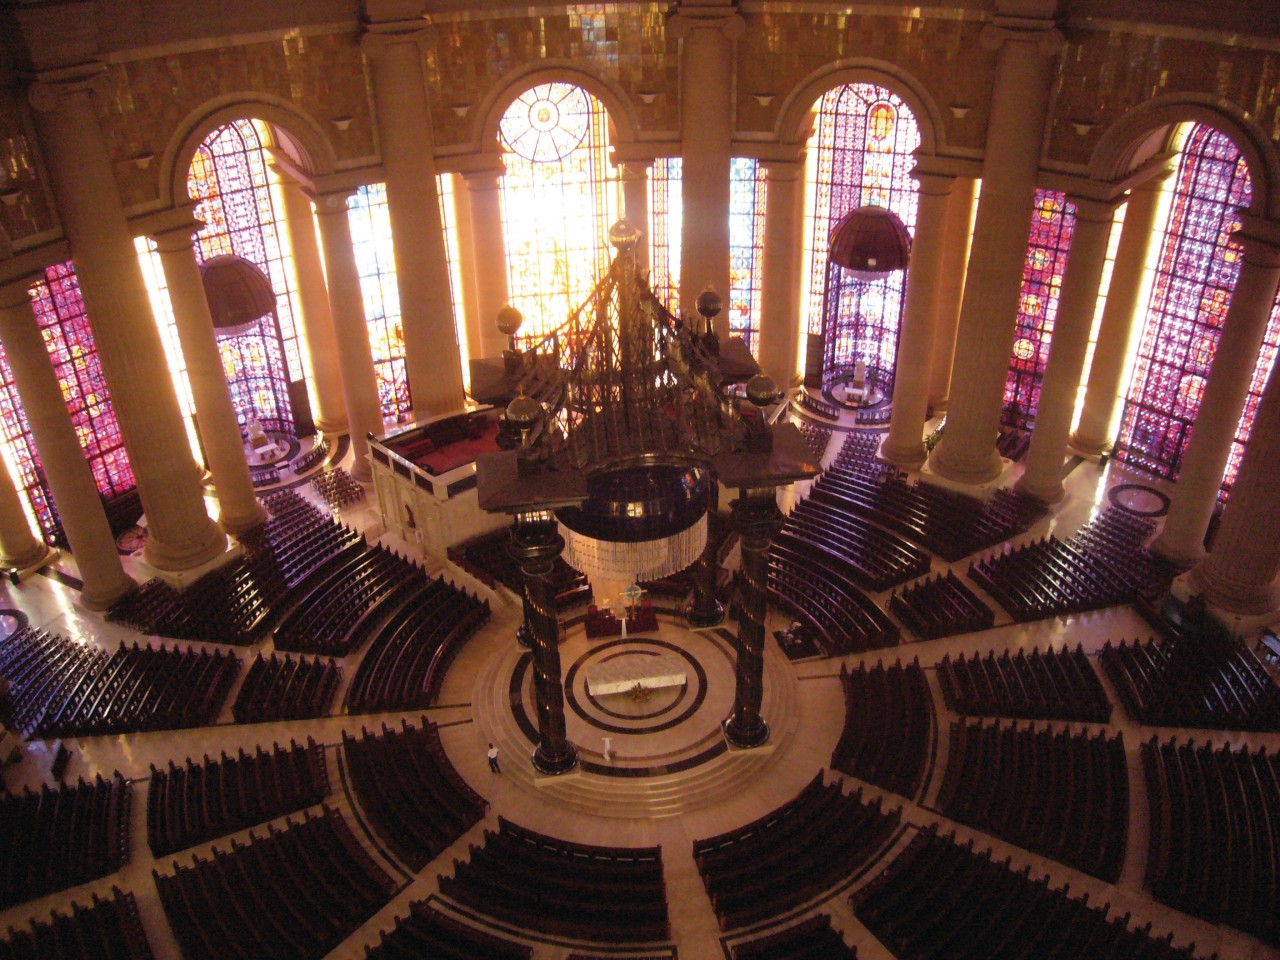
{"x": 746, "y": 247}
{"x": 60, "y": 314}
{"x": 859, "y": 155}
{"x": 1196, "y": 269}
{"x": 1052, "y": 223}
{"x": 665, "y": 211}
{"x": 229, "y": 182}
{"x": 559, "y": 197}
{"x": 376, "y": 263}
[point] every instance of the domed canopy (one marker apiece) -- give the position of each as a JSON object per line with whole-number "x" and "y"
{"x": 870, "y": 241}
{"x": 239, "y": 294}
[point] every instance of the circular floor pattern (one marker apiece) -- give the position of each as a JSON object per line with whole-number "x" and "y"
{"x": 1139, "y": 499}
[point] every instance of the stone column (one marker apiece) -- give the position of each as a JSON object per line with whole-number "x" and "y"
{"x": 1240, "y": 574}
{"x": 756, "y": 519}
{"x": 20, "y": 551}
{"x": 904, "y": 445}
{"x": 1205, "y": 459}
{"x": 488, "y": 259}
{"x": 1042, "y": 478}
{"x": 782, "y": 263}
{"x": 239, "y": 509}
{"x": 317, "y": 321}
{"x": 180, "y": 533}
{"x": 955, "y": 258}
{"x": 988, "y": 313}
{"x": 535, "y": 543}
{"x": 635, "y": 205}
{"x": 1115, "y": 331}
{"x": 706, "y": 32}
{"x": 74, "y": 493}
{"x": 394, "y": 48}
{"x": 350, "y": 328}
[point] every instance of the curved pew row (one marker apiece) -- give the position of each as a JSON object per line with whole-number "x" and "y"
{"x": 889, "y": 722}
{"x": 108, "y": 930}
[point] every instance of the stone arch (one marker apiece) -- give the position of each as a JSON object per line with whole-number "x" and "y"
{"x": 1148, "y": 129}
{"x": 622, "y": 117}
{"x": 296, "y": 133}
{"x": 793, "y": 127}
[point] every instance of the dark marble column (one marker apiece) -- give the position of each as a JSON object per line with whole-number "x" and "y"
{"x": 535, "y": 543}
{"x": 756, "y": 519}
{"x": 703, "y": 609}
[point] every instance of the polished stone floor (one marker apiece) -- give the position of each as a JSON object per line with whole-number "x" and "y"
{"x": 670, "y": 778}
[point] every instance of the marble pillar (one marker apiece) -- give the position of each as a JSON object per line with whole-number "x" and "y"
{"x": 488, "y": 260}
{"x": 955, "y": 259}
{"x": 20, "y": 550}
{"x": 782, "y": 263}
{"x": 635, "y": 205}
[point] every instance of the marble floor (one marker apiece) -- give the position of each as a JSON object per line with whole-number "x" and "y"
{"x": 670, "y": 778}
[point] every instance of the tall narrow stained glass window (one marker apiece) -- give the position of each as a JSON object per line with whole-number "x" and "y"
{"x": 376, "y": 263}
{"x": 1052, "y": 224}
{"x": 665, "y": 210}
{"x": 229, "y": 182}
{"x": 60, "y": 314}
{"x": 1196, "y": 269}
{"x": 860, "y": 154}
{"x": 746, "y": 247}
{"x": 559, "y": 197}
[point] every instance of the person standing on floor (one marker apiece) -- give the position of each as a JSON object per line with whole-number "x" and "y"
{"x": 493, "y": 759}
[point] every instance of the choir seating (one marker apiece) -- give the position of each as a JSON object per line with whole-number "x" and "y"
{"x": 486, "y": 558}
{"x": 62, "y": 836}
{"x": 338, "y": 488}
{"x": 887, "y": 737}
{"x": 1065, "y": 796}
{"x": 107, "y": 930}
{"x": 531, "y": 881}
{"x": 817, "y": 407}
{"x": 812, "y": 939}
{"x": 191, "y": 804}
{"x": 1054, "y": 685}
{"x": 1214, "y": 833}
{"x": 296, "y": 893}
{"x": 793, "y": 854}
{"x": 939, "y": 900}
{"x": 428, "y": 933}
{"x": 414, "y": 798}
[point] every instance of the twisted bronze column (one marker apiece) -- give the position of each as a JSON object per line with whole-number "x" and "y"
{"x": 535, "y": 543}
{"x": 702, "y": 608}
{"x": 756, "y": 519}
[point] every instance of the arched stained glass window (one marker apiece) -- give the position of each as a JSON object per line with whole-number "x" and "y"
{"x": 665, "y": 210}
{"x": 860, "y": 154}
{"x": 229, "y": 182}
{"x": 1052, "y": 223}
{"x": 375, "y": 260}
{"x": 559, "y": 197}
{"x": 746, "y": 247}
{"x": 1196, "y": 269}
{"x": 60, "y": 314}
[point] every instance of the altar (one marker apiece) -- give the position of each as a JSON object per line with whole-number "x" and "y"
{"x": 625, "y": 673}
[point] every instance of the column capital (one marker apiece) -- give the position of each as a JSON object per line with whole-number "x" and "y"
{"x": 932, "y": 182}
{"x": 1259, "y": 238}
{"x": 1093, "y": 209}
{"x": 1046, "y": 36}
{"x": 683, "y": 22}
{"x": 49, "y": 89}
{"x": 15, "y": 291}
{"x": 175, "y": 232}
{"x": 485, "y": 178}
{"x": 379, "y": 37}
{"x": 783, "y": 170}
{"x": 635, "y": 169}
{"x": 332, "y": 202}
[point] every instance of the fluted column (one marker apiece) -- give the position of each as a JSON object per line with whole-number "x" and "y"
{"x": 20, "y": 550}
{"x": 317, "y": 321}
{"x": 1115, "y": 330}
{"x": 781, "y": 261}
{"x": 535, "y": 543}
{"x": 756, "y": 519}
{"x": 905, "y": 443}
{"x": 1205, "y": 459}
{"x": 1076, "y": 307}
{"x": 350, "y": 329}
{"x": 707, "y": 32}
{"x": 70, "y": 480}
{"x": 988, "y": 313}
{"x": 1240, "y": 574}
{"x": 180, "y": 533}
{"x": 394, "y": 48}
{"x": 239, "y": 509}
{"x": 635, "y": 205}
{"x": 488, "y": 259}
{"x": 955, "y": 259}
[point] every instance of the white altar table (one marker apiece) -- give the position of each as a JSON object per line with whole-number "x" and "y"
{"x": 624, "y": 673}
